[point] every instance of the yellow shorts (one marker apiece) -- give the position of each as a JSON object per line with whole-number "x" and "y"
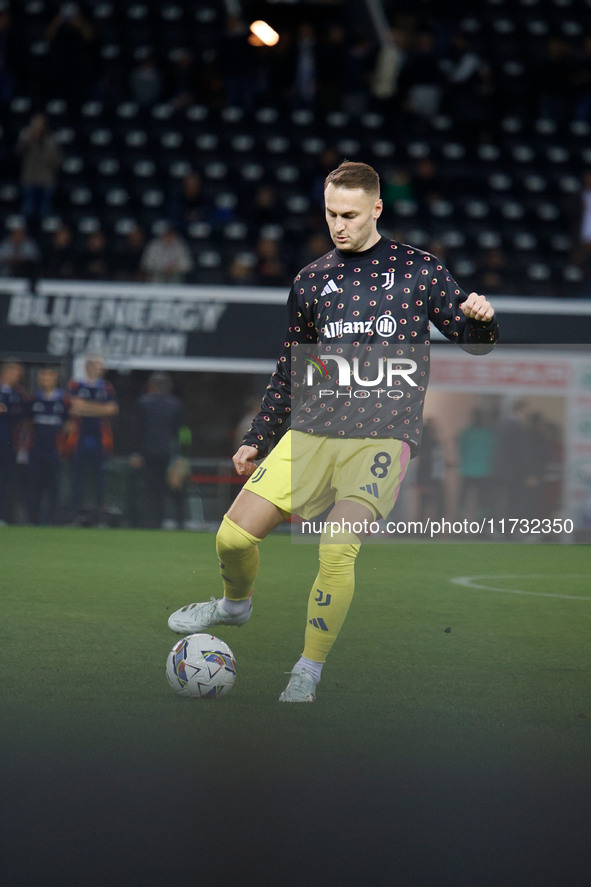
{"x": 306, "y": 473}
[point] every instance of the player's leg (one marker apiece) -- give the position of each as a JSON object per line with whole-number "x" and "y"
{"x": 249, "y": 519}
{"x": 260, "y": 506}
{"x": 247, "y": 522}
{"x": 367, "y": 477}
{"x": 330, "y": 597}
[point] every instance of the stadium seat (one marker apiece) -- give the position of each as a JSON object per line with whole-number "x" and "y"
{"x": 252, "y": 172}
{"x": 349, "y": 148}
{"x": 313, "y": 145}
{"x": 88, "y": 225}
{"x": 277, "y": 144}
{"x": 9, "y": 196}
{"x": 242, "y": 143}
{"x": 489, "y": 240}
{"x": 199, "y": 230}
{"x": 383, "y": 149}
{"x": 197, "y": 113}
{"x": 215, "y": 171}
{"x": 267, "y": 116}
{"x": 512, "y": 210}
{"x": 51, "y": 224}
{"x": 302, "y": 118}
{"x": 207, "y": 142}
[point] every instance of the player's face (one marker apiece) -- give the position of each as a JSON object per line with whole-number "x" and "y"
{"x": 47, "y": 380}
{"x": 352, "y": 215}
{"x": 11, "y": 374}
{"x": 95, "y": 369}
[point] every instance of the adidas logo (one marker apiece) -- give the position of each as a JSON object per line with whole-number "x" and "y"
{"x": 371, "y": 488}
{"x": 318, "y": 623}
{"x": 330, "y": 287}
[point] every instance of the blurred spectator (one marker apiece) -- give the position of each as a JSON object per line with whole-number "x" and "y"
{"x": 167, "y": 258}
{"x": 317, "y": 244}
{"x": 332, "y": 60}
{"x": 195, "y": 79}
{"x": 420, "y": 77}
{"x": 12, "y": 398}
{"x": 493, "y": 271}
{"x": 70, "y": 36}
{"x": 238, "y": 63}
{"x": 581, "y": 254}
{"x": 388, "y": 66}
{"x": 357, "y": 74}
{"x": 581, "y": 83}
{"x": 146, "y": 82}
{"x": 511, "y": 466}
{"x": 553, "y": 471}
{"x": 305, "y": 67}
{"x": 468, "y": 88}
{"x": 555, "y": 80}
{"x": 430, "y": 474}
{"x": 90, "y": 437}
{"x": 328, "y": 159}
{"x": 46, "y": 411}
{"x": 184, "y": 86}
{"x": 188, "y": 204}
{"x": 437, "y": 247}
{"x": 60, "y": 262}
{"x": 397, "y": 186}
{"x": 265, "y": 207}
{"x": 41, "y": 160}
{"x": 158, "y": 415}
{"x": 128, "y": 254}
{"x": 94, "y": 258}
{"x": 476, "y": 450}
{"x": 427, "y": 181}
{"x": 271, "y": 267}
{"x": 19, "y": 254}
{"x": 8, "y": 58}
{"x": 538, "y": 446}
{"x": 241, "y": 270}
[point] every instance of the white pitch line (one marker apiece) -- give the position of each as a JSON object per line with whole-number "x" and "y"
{"x": 470, "y": 582}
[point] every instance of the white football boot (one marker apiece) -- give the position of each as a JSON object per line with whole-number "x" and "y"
{"x": 301, "y": 687}
{"x": 195, "y": 618}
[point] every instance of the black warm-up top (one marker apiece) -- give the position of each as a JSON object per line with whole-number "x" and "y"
{"x": 366, "y": 308}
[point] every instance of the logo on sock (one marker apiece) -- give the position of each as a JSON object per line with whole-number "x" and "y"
{"x": 322, "y": 599}
{"x": 318, "y": 623}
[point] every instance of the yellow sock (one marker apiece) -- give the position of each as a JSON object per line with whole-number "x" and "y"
{"x": 238, "y": 559}
{"x": 330, "y": 597}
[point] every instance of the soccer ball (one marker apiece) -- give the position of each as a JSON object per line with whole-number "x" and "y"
{"x": 201, "y": 666}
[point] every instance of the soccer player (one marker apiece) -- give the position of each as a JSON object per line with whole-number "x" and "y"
{"x": 93, "y": 403}
{"x": 368, "y": 296}
{"x": 12, "y": 401}
{"x": 46, "y": 411}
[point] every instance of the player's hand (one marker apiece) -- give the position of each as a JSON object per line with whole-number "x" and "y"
{"x": 244, "y": 460}
{"x": 3, "y": 408}
{"x": 78, "y": 407}
{"x": 477, "y": 308}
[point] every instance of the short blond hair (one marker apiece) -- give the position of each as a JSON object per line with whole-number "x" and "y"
{"x": 350, "y": 174}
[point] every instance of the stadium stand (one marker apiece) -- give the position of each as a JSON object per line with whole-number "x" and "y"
{"x": 138, "y": 94}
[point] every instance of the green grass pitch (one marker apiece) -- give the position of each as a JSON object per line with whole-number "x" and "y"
{"x": 455, "y": 708}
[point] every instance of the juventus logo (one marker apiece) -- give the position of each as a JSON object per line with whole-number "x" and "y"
{"x": 322, "y": 598}
{"x": 257, "y": 476}
{"x": 389, "y": 282}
